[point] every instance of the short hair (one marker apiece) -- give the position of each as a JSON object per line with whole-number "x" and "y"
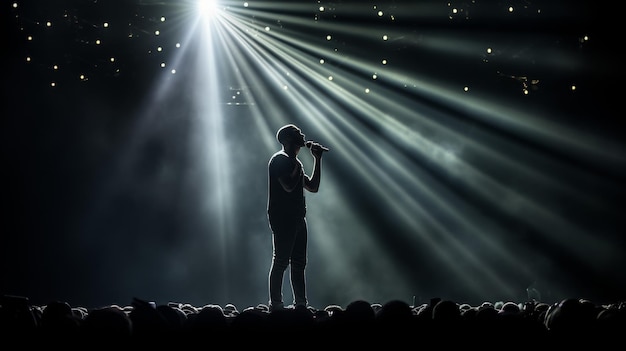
{"x": 285, "y": 131}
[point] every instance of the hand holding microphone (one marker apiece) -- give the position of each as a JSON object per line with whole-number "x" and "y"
{"x": 314, "y": 146}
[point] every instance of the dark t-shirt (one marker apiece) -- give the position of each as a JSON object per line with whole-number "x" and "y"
{"x": 283, "y": 204}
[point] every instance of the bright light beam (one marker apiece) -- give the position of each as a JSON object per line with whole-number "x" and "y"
{"x": 301, "y": 85}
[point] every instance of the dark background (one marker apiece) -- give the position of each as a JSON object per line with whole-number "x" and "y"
{"x": 104, "y": 199}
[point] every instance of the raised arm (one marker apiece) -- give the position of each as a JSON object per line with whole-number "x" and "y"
{"x": 312, "y": 183}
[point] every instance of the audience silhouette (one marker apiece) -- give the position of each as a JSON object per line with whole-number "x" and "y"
{"x": 359, "y": 324}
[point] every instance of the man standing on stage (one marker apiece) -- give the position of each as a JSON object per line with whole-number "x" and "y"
{"x": 286, "y": 210}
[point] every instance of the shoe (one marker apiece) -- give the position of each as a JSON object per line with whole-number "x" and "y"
{"x": 306, "y": 307}
{"x": 276, "y": 307}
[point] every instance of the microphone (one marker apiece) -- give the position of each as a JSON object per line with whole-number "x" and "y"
{"x": 310, "y": 144}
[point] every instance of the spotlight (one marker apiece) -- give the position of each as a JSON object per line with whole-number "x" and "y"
{"x": 207, "y": 8}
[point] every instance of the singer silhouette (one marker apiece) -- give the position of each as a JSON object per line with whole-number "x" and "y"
{"x": 286, "y": 212}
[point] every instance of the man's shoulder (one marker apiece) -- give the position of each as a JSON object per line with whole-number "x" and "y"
{"x": 279, "y": 163}
{"x": 279, "y": 155}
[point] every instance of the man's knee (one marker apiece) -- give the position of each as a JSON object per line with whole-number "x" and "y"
{"x": 280, "y": 264}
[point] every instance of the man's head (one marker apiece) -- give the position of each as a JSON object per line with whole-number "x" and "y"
{"x": 290, "y": 135}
